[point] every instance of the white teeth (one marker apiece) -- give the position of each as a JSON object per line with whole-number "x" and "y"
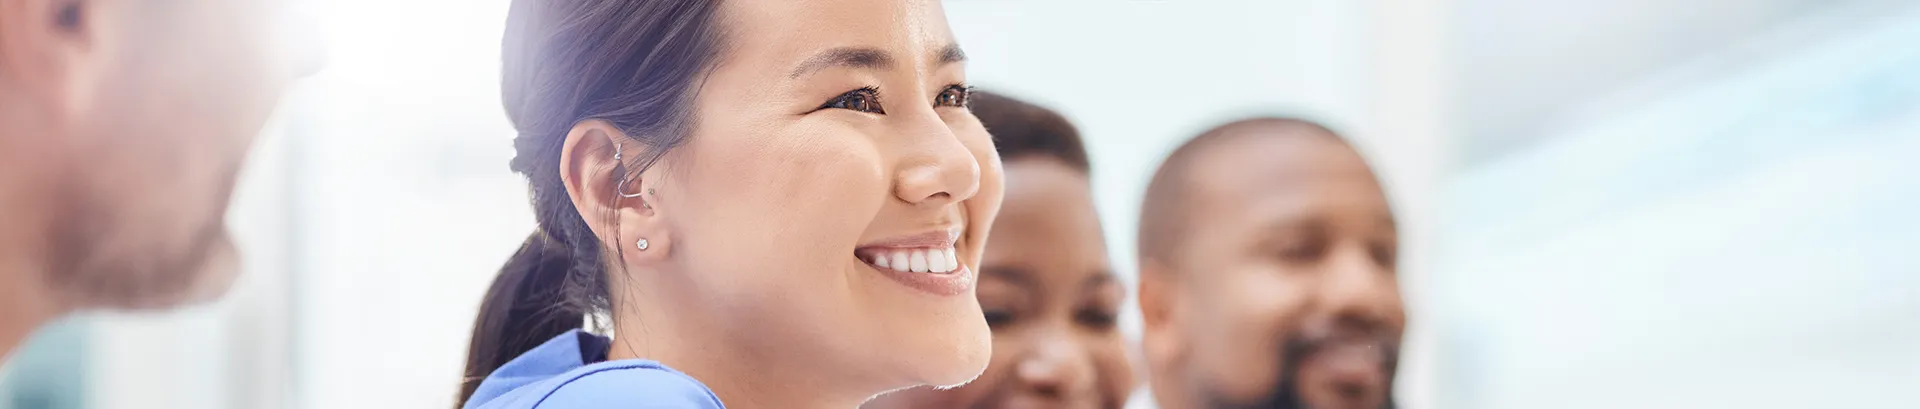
{"x": 919, "y": 260}
{"x": 937, "y": 261}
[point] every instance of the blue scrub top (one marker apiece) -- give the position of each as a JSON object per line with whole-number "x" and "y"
{"x": 555, "y": 375}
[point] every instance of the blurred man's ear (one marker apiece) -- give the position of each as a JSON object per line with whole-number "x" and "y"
{"x": 1162, "y": 341}
{"x": 42, "y": 46}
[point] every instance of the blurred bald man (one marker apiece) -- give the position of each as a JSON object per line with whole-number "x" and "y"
{"x": 122, "y": 126}
{"x": 1267, "y": 273}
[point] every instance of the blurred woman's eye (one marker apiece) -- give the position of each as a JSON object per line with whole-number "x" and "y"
{"x": 997, "y": 318}
{"x": 954, "y": 96}
{"x": 1095, "y": 318}
{"x": 863, "y": 100}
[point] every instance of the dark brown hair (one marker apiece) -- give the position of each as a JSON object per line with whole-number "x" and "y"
{"x": 636, "y": 64}
{"x": 1022, "y": 129}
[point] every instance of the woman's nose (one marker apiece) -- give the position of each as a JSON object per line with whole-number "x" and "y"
{"x": 936, "y": 169}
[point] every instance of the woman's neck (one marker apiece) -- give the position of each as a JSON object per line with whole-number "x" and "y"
{"x": 742, "y": 376}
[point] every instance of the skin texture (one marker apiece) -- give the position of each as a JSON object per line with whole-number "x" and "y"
{"x": 122, "y": 127}
{"x": 750, "y": 282}
{"x": 1051, "y": 298}
{"x": 1285, "y": 260}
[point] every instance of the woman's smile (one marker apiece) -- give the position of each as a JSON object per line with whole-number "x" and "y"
{"x": 926, "y": 261}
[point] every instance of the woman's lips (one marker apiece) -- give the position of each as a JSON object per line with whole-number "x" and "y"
{"x": 957, "y": 281}
{"x": 927, "y": 262}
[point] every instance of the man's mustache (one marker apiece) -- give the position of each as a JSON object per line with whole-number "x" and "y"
{"x": 1285, "y": 393}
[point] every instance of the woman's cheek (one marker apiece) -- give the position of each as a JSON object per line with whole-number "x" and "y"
{"x": 1116, "y": 370}
{"x": 985, "y": 205}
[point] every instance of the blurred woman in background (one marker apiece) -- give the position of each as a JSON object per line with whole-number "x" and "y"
{"x": 776, "y": 203}
{"x": 1049, "y": 293}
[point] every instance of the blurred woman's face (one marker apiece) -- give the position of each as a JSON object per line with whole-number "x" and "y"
{"x": 831, "y": 204}
{"x": 1051, "y": 300}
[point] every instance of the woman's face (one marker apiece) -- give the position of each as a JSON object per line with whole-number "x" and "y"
{"x": 1051, "y": 299}
{"x": 831, "y": 134}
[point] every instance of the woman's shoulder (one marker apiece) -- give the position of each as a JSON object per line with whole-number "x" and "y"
{"x": 629, "y": 384}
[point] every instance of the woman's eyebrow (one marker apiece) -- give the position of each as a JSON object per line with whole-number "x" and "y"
{"x": 868, "y": 58}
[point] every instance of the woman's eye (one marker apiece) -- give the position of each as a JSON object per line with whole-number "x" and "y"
{"x": 1095, "y": 318}
{"x": 954, "y": 96}
{"x": 863, "y": 100}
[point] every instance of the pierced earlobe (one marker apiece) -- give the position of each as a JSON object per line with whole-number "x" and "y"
{"x": 642, "y": 244}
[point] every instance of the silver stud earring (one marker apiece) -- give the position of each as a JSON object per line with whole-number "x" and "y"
{"x": 642, "y": 244}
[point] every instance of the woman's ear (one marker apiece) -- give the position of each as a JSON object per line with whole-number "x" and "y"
{"x": 598, "y": 167}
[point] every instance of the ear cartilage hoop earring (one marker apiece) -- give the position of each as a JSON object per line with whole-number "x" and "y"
{"x": 621, "y": 189}
{"x": 642, "y": 244}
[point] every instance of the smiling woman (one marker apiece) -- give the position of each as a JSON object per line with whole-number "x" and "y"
{"x": 779, "y": 204}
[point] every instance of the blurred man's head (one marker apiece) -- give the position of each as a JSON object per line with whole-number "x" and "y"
{"x": 1267, "y": 273}
{"x": 122, "y": 126}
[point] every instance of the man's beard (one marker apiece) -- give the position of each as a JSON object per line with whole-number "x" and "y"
{"x": 99, "y": 261}
{"x": 1285, "y": 393}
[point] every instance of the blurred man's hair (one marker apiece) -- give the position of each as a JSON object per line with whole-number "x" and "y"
{"x": 1163, "y": 214}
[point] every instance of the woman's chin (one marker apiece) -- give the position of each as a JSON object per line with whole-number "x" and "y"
{"x": 920, "y": 338}
{"x": 962, "y": 357}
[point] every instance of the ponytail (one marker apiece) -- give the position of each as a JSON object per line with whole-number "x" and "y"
{"x": 527, "y": 305}
{"x": 633, "y": 63}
